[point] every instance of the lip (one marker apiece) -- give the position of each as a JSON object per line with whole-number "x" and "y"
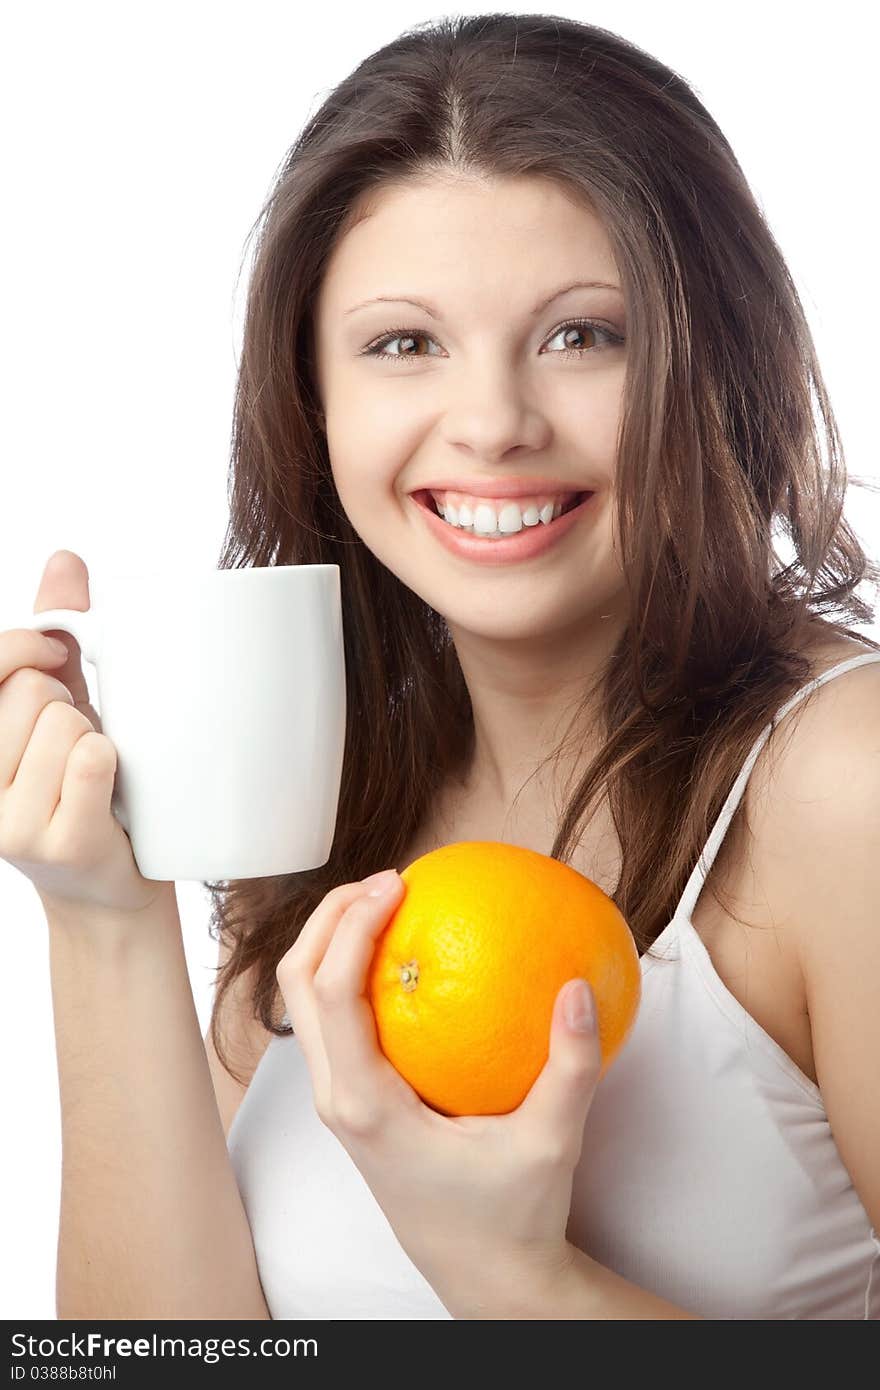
{"x": 501, "y": 487}
{"x": 523, "y": 545}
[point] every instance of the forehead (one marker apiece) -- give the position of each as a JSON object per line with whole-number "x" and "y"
{"x": 464, "y": 231}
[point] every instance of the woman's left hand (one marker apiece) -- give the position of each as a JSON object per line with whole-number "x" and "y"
{"x": 479, "y": 1203}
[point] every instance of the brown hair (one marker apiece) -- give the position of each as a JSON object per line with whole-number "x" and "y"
{"x": 718, "y": 445}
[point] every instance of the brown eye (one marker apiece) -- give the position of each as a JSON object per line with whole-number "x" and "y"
{"x": 611, "y": 339}
{"x": 407, "y": 337}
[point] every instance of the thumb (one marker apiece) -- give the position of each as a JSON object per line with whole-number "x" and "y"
{"x": 560, "y": 1098}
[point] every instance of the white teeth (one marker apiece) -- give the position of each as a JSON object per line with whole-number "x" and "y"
{"x": 484, "y": 523}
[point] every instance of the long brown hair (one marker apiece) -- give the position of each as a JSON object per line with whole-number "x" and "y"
{"x": 719, "y": 458}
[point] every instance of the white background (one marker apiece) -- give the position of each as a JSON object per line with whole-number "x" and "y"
{"x": 139, "y": 142}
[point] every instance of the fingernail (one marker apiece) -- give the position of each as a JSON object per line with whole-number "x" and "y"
{"x": 579, "y": 1011}
{"x": 59, "y": 647}
{"x": 382, "y": 882}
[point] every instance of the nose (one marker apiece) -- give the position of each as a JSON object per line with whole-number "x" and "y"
{"x": 491, "y": 417}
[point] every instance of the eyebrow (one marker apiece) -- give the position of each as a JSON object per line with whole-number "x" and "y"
{"x": 421, "y": 304}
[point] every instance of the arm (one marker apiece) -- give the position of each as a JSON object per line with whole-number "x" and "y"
{"x": 151, "y": 1221}
{"x": 821, "y": 870}
{"x": 591, "y": 1291}
{"x": 598, "y": 1293}
{"x": 816, "y": 854}
{"x": 582, "y": 1290}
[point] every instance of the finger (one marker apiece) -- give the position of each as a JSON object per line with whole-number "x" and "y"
{"x": 307, "y": 952}
{"x": 558, "y": 1103}
{"x": 348, "y": 1026}
{"x": 23, "y": 697}
{"x": 35, "y": 793}
{"x": 65, "y": 584}
{"x": 24, "y": 646}
{"x": 87, "y": 786}
{"x": 295, "y": 973}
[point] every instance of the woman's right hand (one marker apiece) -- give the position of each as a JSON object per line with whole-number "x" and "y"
{"x": 57, "y": 769}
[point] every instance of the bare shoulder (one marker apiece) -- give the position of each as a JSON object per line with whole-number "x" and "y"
{"x": 839, "y": 713}
{"x": 244, "y": 1039}
{"x": 798, "y": 768}
{"x": 818, "y": 765}
{"x": 756, "y": 942}
{"x": 860, "y": 682}
{"x": 824, "y": 839}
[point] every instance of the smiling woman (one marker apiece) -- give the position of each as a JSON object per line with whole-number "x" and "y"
{"x": 522, "y": 356}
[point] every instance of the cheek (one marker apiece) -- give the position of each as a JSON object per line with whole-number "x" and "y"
{"x": 371, "y": 409}
{"x": 362, "y": 480}
{"x": 365, "y": 483}
{"x": 368, "y": 463}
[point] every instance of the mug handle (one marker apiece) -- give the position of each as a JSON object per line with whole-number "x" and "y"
{"x": 85, "y": 627}
{"x": 82, "y": 626}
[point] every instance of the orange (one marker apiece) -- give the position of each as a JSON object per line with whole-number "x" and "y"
{"x": 464, "y": 977}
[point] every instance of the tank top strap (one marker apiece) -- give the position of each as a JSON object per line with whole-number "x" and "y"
{"x": 703, "y": 866}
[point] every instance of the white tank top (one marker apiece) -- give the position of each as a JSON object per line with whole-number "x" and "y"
{"x": 709, "y": 1174}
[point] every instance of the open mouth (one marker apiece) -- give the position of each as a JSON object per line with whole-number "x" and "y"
{"x": 426, "y": 500}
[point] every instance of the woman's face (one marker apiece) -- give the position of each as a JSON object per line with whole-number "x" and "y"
{"x": 480, "y": 390}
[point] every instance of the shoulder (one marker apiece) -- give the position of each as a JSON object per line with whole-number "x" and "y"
{"x": 815, "y": 789}
{"x": 836, "y": 726}
{"x": 816, "y": 849}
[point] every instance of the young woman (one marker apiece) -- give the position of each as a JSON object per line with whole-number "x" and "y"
{"x": 512, "y": 278}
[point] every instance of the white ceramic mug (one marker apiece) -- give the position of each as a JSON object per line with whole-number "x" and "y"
{"x": 224, "y": 695}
